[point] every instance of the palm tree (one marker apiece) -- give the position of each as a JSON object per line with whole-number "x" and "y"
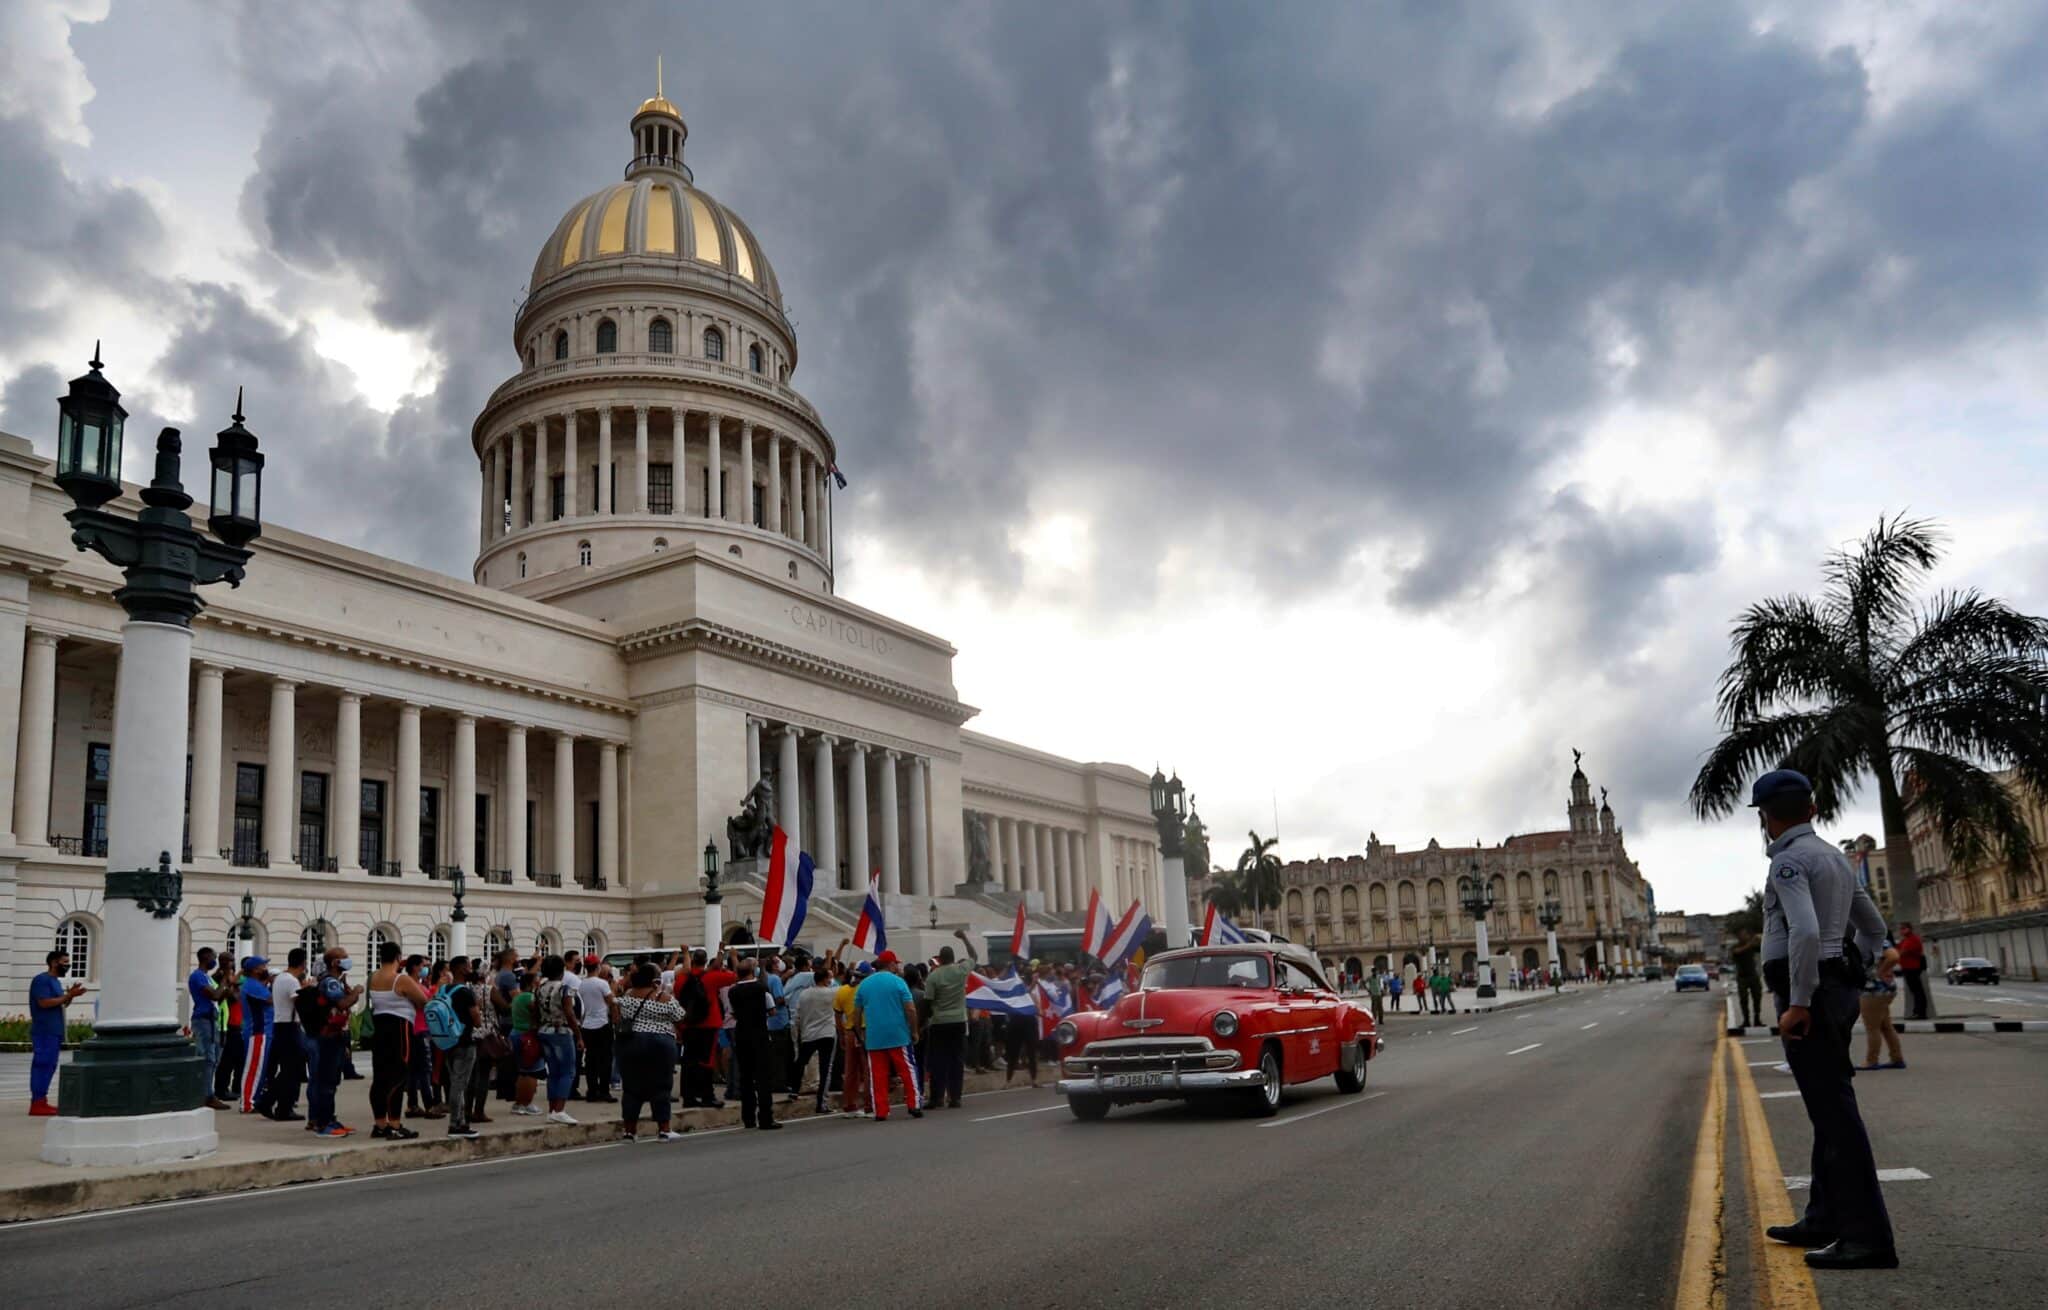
{"x": 1862, "y": 682}
{"x": 1258, "y": 876}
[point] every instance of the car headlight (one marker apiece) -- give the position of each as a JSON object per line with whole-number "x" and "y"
{"x": 1225, "y": 1023}
{"x": 1065, "y": 1034}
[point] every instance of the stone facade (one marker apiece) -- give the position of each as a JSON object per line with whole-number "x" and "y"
{"x": 1985, "y": 909}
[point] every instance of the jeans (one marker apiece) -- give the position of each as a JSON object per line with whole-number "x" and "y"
{"x": 822, "y": 1048}
{"x": 461, "y": 1066}
{"x": 206, "y": 1036}
{"x": 1844, "y": 1198}
{"x": 560, "y": 1051}
{"x": 328, "y": 1055}
{"x": 49, "y": 1048}
{"x": 946, "y": 1050}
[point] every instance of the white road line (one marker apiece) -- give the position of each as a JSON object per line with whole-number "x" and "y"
{"x": 1530, "y": 1047}
{"x": 1041, "y": 1109}
{"x": 1757, "y": 1064}
{"x": 1594, "y": 1024}
{"x": 1793, "y": 1182}
{"x": 1755, "y": 1041}
{"x": 1462, "y": 1031}
{"x": 1772, "y": 1096}
{"x": 1295, "y": 1119}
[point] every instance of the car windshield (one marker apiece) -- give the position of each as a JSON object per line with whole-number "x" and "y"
{"x": 1974, "y": 962}
{"x": 1209, "y": 971}
{"x": 1691, "y": 970}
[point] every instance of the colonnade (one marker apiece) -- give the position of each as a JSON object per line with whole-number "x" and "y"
{"x": 737, "y": 457}
{"x": 1052, "y": 860}
{"x": 881, "y": 823}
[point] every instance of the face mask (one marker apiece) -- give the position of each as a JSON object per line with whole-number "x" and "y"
{"x": 345, "y": 963}
{"x": 63, "y": 969}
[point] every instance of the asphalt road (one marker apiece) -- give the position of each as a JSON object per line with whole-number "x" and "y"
{"x": 1533, "y": 1157}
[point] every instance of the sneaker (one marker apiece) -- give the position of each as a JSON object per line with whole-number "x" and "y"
{"x": 434, "y": 1112}
{"x": 560, "y": 1117}
{"x": 916, "y": 1113}
{"x": 312, "y": 1127}
{"x": 625, "y": 1136}
{"x": 466, "y": 1134}
{"x": 669, "y": 1137}
{"x": 337, "y": 1130}
{"x": 526, "y": 1109}
{"x": 215, "y": 1103}
{"x": 400, "y": 1133}
{"x": 770, "y": 1127}
{"x": 380, "y": 1131}
{"x": 41, "y": 1110}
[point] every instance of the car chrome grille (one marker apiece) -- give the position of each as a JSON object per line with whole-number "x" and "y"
{"x": 1151, "y": 1055}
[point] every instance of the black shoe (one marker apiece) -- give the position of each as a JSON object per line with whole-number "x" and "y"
{"x": 916, "y": 1113}
{"x": 766, "y": 1127}
{"x": 1798, "y": 1235}
{"x": 380, "y": 1131}
{"x": 1846, "y": 1254}
{"x": 467, "y": 1134}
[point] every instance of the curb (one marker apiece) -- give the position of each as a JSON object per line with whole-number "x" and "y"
{"x": 1929, "y": 1026}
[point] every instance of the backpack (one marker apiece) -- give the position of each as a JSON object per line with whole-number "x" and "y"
{"x": 696, "y": 1000}
{"x": 310, "y": 1007}
{"x": 444, "y": 1029}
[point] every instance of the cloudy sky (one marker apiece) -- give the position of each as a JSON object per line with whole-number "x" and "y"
{"x": 1354, "y": 406}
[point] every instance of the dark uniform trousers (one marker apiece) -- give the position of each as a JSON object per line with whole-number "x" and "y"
{"x": 753, "y": 1057}
{"x": 1844, "y": 1198}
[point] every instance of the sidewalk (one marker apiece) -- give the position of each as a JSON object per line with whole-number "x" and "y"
{"x": 1958, "y": 1020}
{"x": 256, "y": 1152}
{"x": 1469, "y": 1001}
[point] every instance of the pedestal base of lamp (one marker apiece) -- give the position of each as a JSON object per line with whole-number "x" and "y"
{"x": 127, "y": 1072}
{"x": 130, "y": 1139}
{"x": 1486, "y": 991}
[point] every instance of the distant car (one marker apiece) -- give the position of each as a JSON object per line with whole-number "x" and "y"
{"x": 1234, "y": 1023}
{"x": 1973, "y": 969}
{"x": 1653, "y": 973}
{"x": 1713, "y": 971}
{"x": 1690, "y": 976}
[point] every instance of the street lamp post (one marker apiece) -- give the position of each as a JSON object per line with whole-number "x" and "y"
{"x": 1551, "y": 915}
{"x": 714, "y": 909}
{"x": 458, "y": 919}
{"x": 1477, "y": 898}
{"x": 245, "y": 930}
{"x": 135, "y": 1092}
{"x": 1170, "y": 813}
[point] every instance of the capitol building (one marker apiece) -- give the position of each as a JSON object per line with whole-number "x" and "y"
{"x": 652, "y": 623}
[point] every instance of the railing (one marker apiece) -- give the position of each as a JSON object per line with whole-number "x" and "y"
{"x": 595, "y": 883}
{"x": 498, "y": 877}
{"x": 625, "y": 361}
{"x": 90, "y": 847}
{"x": 547, "y": 879}
{"x": 246, "y": 859}
{"x": 387, "y": 869}
{"x": 436, "y": 872}
{"x": 329, "y": 865}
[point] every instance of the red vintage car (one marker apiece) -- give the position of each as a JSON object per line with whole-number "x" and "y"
{"x": 1232, "y": 1023}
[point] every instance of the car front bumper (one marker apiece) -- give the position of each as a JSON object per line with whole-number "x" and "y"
{"x": 1167, "y": 1084}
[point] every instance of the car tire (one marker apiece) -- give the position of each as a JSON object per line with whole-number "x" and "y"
{"x": 1353, "y": 1080}
{"x": 1264, "y": 1102}
{"x": 1089, "y": 1109}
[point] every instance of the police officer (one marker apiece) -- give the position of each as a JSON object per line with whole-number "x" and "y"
{"x": 1812, "y": 901}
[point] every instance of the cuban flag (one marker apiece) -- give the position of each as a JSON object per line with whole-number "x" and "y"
{"x": 1004, "y": 995}
{"x": 1126, "y": 936}
{"x": 1218, "y": 930}
{"x": 788, "y": 898}
{"x": 1018, "y": 935}
{"x": 1055, "y": 996}
{"x": 1109, "y": 993}
{"x": 870, "y": 934}
{"x": 1097, "y": 930}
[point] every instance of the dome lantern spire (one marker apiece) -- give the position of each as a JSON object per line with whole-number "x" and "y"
{"x": 658, "y": 132}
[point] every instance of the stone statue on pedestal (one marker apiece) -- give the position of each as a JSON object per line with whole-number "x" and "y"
{"x": 978, "y": 864}
{"x": 750, "y": 834}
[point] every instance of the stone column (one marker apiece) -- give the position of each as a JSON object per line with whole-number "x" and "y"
{"x": 541, "y": 508}
{"x": 484, "y": 462}
{"x": 714, "y": 500}
{"x": 825, "y": 845}
{"x": 1063, "y": 871}
{"x": 405, "y": 799}
{"x": 1055, "y": 893}
{"x": 825, "y": 512}
{"x": 625, "y": 804}
{"x": 1013, "y": 871}
{"x": 206, "y": 721}
{"x": 604, "y": 460}
{"x": 920, "y": 827}
{"x": 753, "y": 751}
{"x": 858, "y": 857}
{"x": 796, "y": 492}
{"x": 608, "y": 814}
{"x": 348, "y": 781}
{"x": 1027, "y": 869}
{"x": 565, "y": 807}
{"x": 746, "y": 514}
{"x": 281, "y": 772}
{"x": 774, "y": 497}
{"x": 38, "y": 739}
{"x": 515, "y": 801}
{"x": 788, "y": 796}
{"x": 640, "y": 459}
{"x": 462, "y": 800}
{"x": 571, "y": 440}
{"x": 1077, "y": 856}
{"x": 892, "y": 845}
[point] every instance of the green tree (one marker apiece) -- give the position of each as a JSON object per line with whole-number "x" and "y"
{"x": 1258, "y": 877}
{"x": 1750, "y": 916}
{"x": 1865, "y": 682}
{"x": 1195, "y": 845}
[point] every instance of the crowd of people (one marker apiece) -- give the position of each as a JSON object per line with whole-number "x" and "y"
{"x": 452, "y": 1040}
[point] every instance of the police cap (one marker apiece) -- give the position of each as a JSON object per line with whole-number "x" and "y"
{"x": 1778, "y": 780}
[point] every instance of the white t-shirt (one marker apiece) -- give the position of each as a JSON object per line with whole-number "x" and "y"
{"x": 284, "y": 991}
{"x": 597, "y": 994}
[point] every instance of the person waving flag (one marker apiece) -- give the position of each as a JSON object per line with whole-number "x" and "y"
{"x": 1008, "y": 994}
{"x": 870, "y": 934}
{"x": 788, "y": 897}
{"x": 1127, "y": 936}
{"x": 1218, "y": 930}
{"x": 1095, "y": 933}
{"x": 1018, "y": 934}
{"x": 1109, "y": 992}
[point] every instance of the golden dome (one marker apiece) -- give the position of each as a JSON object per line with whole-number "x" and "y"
{"x": 658, "y": 104}
{"x": 655, "y": 214}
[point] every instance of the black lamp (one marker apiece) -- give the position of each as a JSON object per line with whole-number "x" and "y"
{"x": 237, "y": 501}
{"x": 89, "y": 423}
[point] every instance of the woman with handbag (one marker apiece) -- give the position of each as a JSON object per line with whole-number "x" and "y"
{"x": 528, "y": 1057}
{"x": 646, "y": 1017}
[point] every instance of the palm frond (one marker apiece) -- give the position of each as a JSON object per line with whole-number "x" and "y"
{"x": 1786, "y": 655}
{"x": 1959, "y": 627}
{"x": 1766, "y": 743}
{"x": 1870, "y": 588}
{"x": 1975, "y": 814}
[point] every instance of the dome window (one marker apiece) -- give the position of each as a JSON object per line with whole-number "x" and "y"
{"x": 529, "y": 356}
{"x": 660, "y": 544}
{"x": 561, "y": 345}
{"x": 583, "y": 553}
{"x": 754, "y": 358}
{"x": 714, "y": 344}
{"x": 607, "y": 338}
{"x": 522, "y": 563}
{"x": 661, "y": 337}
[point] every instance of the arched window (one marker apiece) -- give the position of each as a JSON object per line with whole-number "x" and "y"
{"x": 494, "y": 942}
{"x": 714, "y": 344}
{"x": 547, "y": 942}
{"x": 313, "y": 939}
{"x": 593, "y": 943}
{"x": 661, "y": 337}
{"x": 792, "y": 570}
{"x": 583, "y": 553}
{"x": 437, "y": 946}
{"x": 660, "y": 544}
{"x": 522, "y": 563}
{"x": 607, "y": 338}
{"x": 754, "y": 358}
{"x": 561, "y": 345}
{"x": 74, "y": 938}
{"x": 529, "y": 356}
{"x": 379, "y": 937}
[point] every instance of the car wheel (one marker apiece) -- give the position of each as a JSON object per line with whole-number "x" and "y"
{"x": 1351, "y": 1070}
{"x": 1264, "y": 1102}
{"x": 1088, "y": 1109}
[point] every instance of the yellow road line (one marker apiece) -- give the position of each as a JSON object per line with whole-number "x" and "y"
{"x": 1785, "y": 1283}
{"x": 1702, "y": 1268}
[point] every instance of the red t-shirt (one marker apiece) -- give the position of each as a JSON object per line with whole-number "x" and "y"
{"x": 1911, "y": 954}
{"x": 715, "y": 983}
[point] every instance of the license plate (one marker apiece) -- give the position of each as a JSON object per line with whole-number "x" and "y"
{"x": 1138, "y": 1080}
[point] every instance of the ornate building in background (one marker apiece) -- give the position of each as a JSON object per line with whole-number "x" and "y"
{"x": 1984, "y": 909}
{"x": 1390, "y": 907}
